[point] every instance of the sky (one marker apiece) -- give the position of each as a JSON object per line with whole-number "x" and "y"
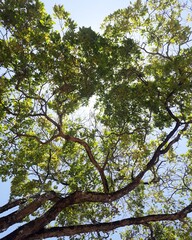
{"x": 85, "y": 13}
{"x": 88, "y": 13}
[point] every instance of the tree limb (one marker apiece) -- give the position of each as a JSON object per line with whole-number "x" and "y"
{"x": 106, "y": 227}
{"x": 19, "y": 215}
{"x": 91, "y": 157}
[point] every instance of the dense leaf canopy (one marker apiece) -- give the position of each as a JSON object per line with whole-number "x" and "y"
{"x": 95, "y": 129}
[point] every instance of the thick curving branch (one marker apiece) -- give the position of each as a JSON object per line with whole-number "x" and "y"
{"x": 11, "y": 205}
{"x": 18, "y": 215}
{"x": 106, "y": 227}
{"x": 91, "y": 157}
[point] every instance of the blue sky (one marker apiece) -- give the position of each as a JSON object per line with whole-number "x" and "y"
{"x": 86, "y": 13}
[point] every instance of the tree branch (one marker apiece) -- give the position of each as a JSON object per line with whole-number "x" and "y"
{"x": 19, "y": 215}
{"x": 91, "y": 157}
{"x": 13, "y": 204}
{"x": 106, "y": 227}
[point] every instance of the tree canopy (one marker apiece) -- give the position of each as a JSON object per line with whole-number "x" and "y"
{"x": 96, "y": 128}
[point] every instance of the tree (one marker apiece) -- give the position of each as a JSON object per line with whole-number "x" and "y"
{"x": 96, "y": 128}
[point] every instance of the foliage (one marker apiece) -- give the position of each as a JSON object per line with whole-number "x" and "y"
{"x": 97, "y": 127}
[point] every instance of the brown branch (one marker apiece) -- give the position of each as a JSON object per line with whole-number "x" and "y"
{"x": 13, "y": 204}
{"x": 171, "y": 114}
{"x": 19, "y": 215}
{"x": 78, "y": 197}
{"x": 157, "y": 153}
{"x": 35, "y": 225}
{"x": 155, "y": 53}
{"x": 53, "y": 121}
{"x": 81, "y": 197}
{"x": 106, "y": 227}
{"x": 91, "y": 157}
{"x": 176, "y": 139}
{"x": 72, "y": 139}
{"x": 17, "y": 113}
{"x": 75, "y": 198}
